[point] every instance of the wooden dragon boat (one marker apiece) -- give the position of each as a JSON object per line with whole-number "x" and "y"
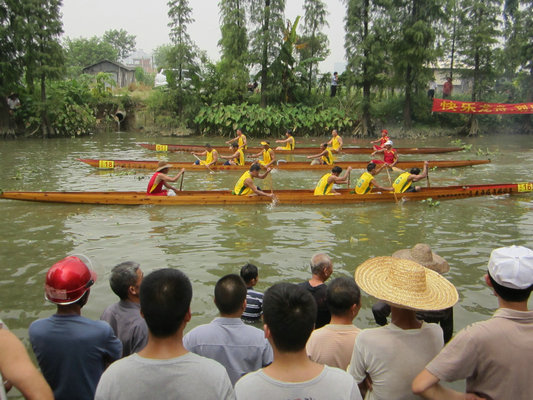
{"x": 152, "y": 164}
{"x": 299, "y": 150}
{"x": 283, "y": 196}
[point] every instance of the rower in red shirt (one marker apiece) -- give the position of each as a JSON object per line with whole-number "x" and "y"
{"x": 382, "y": 140}
{"x": 160, "y": 179}
{"x": 390, "y": 155}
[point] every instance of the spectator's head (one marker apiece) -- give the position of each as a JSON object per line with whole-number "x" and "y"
{"x": 422, "y": 254}
{"x": 165, "y": 301}
{"x": 336, "y": 170}
{"x": 371, "y": 167}
{"x": 343, "y": 297}
{"x": 68, "y": 281}
{"x": 321, "y": 266}
{"x": 335, "y": 73}
{"x": 125, "y": 280}
{"x": 289, "y": 312}
{"x": 405, "y": 284}
{"x": 510, "y": 273}
{"x": 249, "y": 274}
{"x": 230, "y": 295}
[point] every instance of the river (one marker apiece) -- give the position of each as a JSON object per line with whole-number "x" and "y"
{"x": 207, "y": 242}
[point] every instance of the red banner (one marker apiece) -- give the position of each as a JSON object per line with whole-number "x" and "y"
{"x": 479, "y": 107}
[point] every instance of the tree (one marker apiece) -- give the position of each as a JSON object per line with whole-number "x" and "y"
{"x": 477, "y": 36}
{"x": 267, "y": 18}
{"x": 316, "y": 42}
{"x": 413, "y": 45}
{"x": 234, "y": 49}
{"x": 123, "y": 43}
{"x": 82, "y": 52}
{"x": 162, "y": 56}
{"x": 366, "y": 51}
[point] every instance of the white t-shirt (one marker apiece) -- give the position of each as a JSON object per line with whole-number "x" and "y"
{"x": 332, "y": 383}
{"x": 332, "y": 345}
{"x": 393, "y": 357}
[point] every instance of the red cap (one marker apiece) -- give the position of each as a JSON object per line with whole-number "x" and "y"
{"x": 385, "y": 131}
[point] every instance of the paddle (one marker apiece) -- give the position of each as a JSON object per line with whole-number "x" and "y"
{"x": 181, "y": 182}
{"x": 390, "y": 181}
{"x": 205, "y": 165}
{"x": 427, "y": 177}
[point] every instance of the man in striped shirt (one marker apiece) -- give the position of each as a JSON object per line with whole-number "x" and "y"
{"x": 254, "y": 299}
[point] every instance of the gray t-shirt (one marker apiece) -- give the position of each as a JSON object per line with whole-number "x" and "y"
{"x": 331, "y": 384}
{"x": 189, "y": 377}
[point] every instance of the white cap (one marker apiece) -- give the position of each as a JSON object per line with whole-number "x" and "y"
{"x": 388, "y": 143}
{"x": 512, "y": 267}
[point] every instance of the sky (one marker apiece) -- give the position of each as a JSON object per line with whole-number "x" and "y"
{"x": 148, "y": 20}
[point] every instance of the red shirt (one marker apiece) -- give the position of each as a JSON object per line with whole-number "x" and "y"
{"x": 157, "y": 190}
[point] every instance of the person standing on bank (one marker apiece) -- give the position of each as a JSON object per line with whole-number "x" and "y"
{"x": 334, "y": 84}
{"x": 447, "y": 88}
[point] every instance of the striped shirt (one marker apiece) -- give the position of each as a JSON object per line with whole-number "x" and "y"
{"x": 254, "y": 306}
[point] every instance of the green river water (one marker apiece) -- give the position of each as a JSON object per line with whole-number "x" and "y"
{"x": 207, "y": 242}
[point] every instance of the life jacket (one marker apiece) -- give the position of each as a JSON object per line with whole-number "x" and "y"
{"x": 208, "y": 157}
{"x": 290, "y": 144}
{"x": 335, "y": 143}
{"x": 154, "y": 189}
{"x": 364, "y": 183}
{"x": 240, "y": 188}
{"x": 323, "y": 187}
{"x": 388, "y": 156}
{"x": 241, "y": 140}
{"x": 266, "y": 157}
{"x": 401, "y": 184}
{"x": 328, "y": 158}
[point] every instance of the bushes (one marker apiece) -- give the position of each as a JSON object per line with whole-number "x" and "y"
{"x": 270, "y": 121}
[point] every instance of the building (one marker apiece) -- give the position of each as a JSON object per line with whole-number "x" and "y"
{"x": 121, "y": 74}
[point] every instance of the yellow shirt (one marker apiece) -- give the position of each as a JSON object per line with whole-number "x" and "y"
{"x": 290, "y": 144}
{"x": 328, "y": 158}
{"x": 240, "y": 188}
{"x": 266, "y": 157}
{"x": 401, "y": 184}
{"x": 239, "y": 160}
{"x": 208, "y": 157}
{"x": 241, "y": 140}
{"x": 323, "y": 187}
{"x": 364, "y": 183}
{"x": 335, "y": 143}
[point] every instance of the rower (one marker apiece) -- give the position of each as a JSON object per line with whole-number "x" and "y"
{"x": 240, "y": 139}
{"x": 325, "y": 184}
{"x": 335, "y": 142}
{"x": 404, "y": 182}
{"x": 366, "y": 181}
{"x": 382, "y": 140}
{"x": 289, "y": 141}
{"x": 160, "y": 179}
{"x": 211, "y": 156}
{"x": 245, "y": 185}
{"x": 390, "y": 155}
{"x": 269, "y": 158}
{"x": 237, "y": 158}
{"x": 325, "y": 157}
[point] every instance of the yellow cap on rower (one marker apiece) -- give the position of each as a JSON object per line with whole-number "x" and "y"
{"x": 264, "y": 143}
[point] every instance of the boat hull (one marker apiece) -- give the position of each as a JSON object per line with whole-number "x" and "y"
{"x": 152, "y": 164}
{"x": 284, "y": 196}
{"x": 299, "y": 150}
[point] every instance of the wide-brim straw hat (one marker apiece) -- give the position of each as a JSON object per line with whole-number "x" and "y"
{"x": 422, "y": 254}
{"x": 405, "y": 284}
{"x": 161, "y": 165}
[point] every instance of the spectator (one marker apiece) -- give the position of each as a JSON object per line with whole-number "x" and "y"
{"x": 321, "y": 270}
{"x": 289, "y": 313}
{"x": 16, "y": 369}
{"x": 385, "y": 360}
{"x": 422, "y": 254}
{"x": 238, "y": 347}
{"x": 164, "y": 369}
{"x": 333, "y": 343}
{"x": 254, "y": 299}
{"x": 432, "y": 87}
{"x": 494, "y": 356}
{"x": 125, "y": 316}
{"x": 334, "y": 84}
{"x": 447, "y": 88}
{"x": 72, "y": 350}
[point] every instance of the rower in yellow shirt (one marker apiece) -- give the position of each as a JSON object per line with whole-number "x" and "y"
{"x": 289, "y": 141}
{"x": 211, "y": 156}
{"x": 366, "y": 181}
{"x": 269, "y": 158}
{"x": 404, "y": 182}
{"x": 237, "y": 158}
{"x": 324, "y": 186}
{"x": 335, "y": 142}
{"x": 245, "y": 185}
{"x": 240, "y": 139}
{"x": 325, "y": 157}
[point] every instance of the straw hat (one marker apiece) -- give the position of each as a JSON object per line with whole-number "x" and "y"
{"x": 405, "y": 284}
{"x": 161, "y": 165}
{"x": 422, "y": 254}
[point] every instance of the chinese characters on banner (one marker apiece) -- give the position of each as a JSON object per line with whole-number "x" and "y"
{"x": 479, "y": 107}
